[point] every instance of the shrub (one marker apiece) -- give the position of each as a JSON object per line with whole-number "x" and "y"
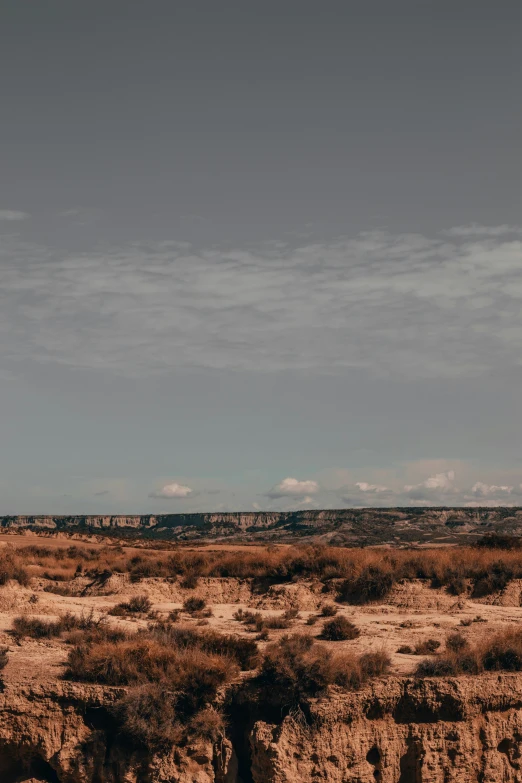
{"x": 150, "y": 716}
{"x": 339, "y": 629}
{"x": 328, "y": 610}
{"x": 243, "y": 651}
{"x": 193, "y": 673}
{"x": 456, "y": 585}
{"x": 296, "y": 668}
{"x": 147, "y": 716}
{"x": 4, "y": 657}
{"x": 427, "y": 647}
{"x": 193, "y": 605}
{"x": 372, "y": 584}
{"x": 499, "y": 541}
{"x": 456, "y": 642}
{"x": 405, "y": 649}
{"x": 503, "y": 652}
{"x": 312, "y": 619}
{"x": 374, "y": 664}
{"x": 139, "y": 604}
{"x": 189, "y": 581}
{"x": 47, "y": 629}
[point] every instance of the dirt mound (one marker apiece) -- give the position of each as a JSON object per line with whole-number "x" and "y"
{"x": 511, "y": 595}
{"x": 16, "y": 599}
{"x": 418, "y": 596}
{"x": 302, "y": 595}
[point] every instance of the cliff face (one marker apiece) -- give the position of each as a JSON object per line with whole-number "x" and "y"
{"x": 401, "y": 731}
{"x": 397, "y": 730}
{"x": 351, "y": 526}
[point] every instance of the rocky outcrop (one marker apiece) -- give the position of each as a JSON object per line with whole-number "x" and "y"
{"x": 395, "y": 730}
{"x": 363, "y": 526}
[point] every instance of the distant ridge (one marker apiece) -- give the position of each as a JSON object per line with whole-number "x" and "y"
{"x": 393, "y": 526}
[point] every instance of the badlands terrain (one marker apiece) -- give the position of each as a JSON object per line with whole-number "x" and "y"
{"x": 149, "y": 662}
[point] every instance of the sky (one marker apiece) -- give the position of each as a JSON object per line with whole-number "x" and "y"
{"x": 259, "y": 255}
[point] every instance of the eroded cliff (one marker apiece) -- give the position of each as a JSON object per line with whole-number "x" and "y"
{"x": 395, "y": 730}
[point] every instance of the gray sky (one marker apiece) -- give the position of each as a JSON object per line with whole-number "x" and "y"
{"x": 259, "y": 255}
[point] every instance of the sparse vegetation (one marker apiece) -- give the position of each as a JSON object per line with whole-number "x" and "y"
{"x": 500, "y": 652}
{"x": 139, "y": 604}
{"x": 358, "y": 576}
{"x": 36, "y": 628}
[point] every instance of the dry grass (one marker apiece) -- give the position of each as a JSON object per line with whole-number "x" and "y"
{"x": 365, "y": 574}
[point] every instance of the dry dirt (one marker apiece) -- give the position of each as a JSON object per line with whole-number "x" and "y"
{"x": 413, "y": 612}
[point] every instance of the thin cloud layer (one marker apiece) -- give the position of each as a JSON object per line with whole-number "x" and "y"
{"x": 13, "y": 214}
{"x": 405, "y": 305}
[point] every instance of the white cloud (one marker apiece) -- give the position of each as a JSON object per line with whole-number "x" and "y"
{"x": 483, "y": 490}
{"x": 365, "y": 487}
{"x": 13, "y": 214}
{"x": 440, "y": 482}
{"x": 172, "y": 491}
{"x": 291, "y": 487}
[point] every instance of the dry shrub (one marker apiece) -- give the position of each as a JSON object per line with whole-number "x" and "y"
{"x": 193, "y": 605}
{"x": 243, "y": 651}
{"x": 139, "y": 604}
{"x": 12, "y": 569}
{"x": 208, "y": 723}
{"x": 35, "y": 628}
{"x": 372, "y": 584}
{"x": 456, "y": 642}
{"x": 140, "y": 660}
{"x": 374, "y": 664}
{"x": 296, "y": 668}
{"x": 328, "y": 610}
{"x": 405, "y": 649}
{"x": 339, "y": 629}
{"x": 427, "y": 647}
{"x": 500, "y": 652}
{"x": 189, "y": 581}
{"x": 147, "y": 717}
{"x": 4, "y": 657}
{"x": 151, "y": 717}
